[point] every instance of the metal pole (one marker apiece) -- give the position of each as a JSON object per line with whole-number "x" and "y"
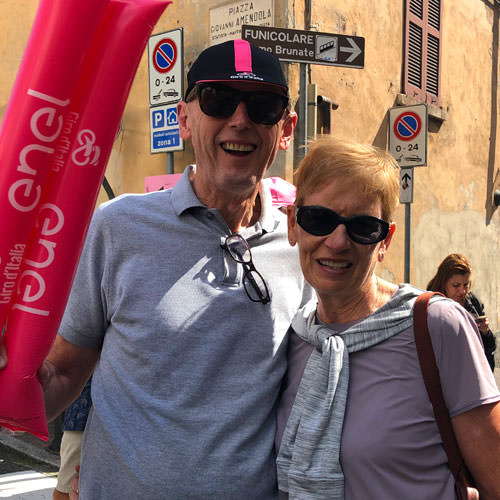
{"x": 302, "y": 111}
{"x": 407, "y": 241}
{"x": 170, "y": 163}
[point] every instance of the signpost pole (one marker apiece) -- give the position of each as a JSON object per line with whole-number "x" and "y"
{"x": 407, "y": 241}
{"x": 303, "y": 111}
{"x": 170, "y": 163}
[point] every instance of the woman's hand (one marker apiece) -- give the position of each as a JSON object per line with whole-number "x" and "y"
{"x": 483, "y": 324}
{"x": 73, "y": 494}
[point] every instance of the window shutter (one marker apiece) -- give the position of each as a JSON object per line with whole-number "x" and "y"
{"x": 423, "y": 50}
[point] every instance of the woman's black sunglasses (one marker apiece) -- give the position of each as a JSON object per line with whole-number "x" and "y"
{"x": 363, "y": 229}
{"x": 220, "y": 101}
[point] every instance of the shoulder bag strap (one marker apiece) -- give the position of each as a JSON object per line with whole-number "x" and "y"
{"x": 430, "y": 374}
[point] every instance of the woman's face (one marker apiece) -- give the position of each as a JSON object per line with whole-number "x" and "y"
{"x": 335, "y": 266}
{"x": 457, "y": 287}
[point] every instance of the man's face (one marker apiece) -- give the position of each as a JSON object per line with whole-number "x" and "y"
{"x": 233, "y": 153}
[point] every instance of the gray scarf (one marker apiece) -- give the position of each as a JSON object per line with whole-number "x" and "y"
{"x": 309, "y": 457}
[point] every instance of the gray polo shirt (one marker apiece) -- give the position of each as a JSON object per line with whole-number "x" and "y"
{"x": 184, "y": 394}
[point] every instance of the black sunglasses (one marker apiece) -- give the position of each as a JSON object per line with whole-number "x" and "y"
{"x": 363, "y": 229}
{"x": 219, "y": 101}
{"x": 255, "y": 286}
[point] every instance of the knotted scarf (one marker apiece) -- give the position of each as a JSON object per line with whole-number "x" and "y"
{"x": 309, "y": 457}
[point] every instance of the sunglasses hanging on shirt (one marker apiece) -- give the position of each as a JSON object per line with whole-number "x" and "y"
{"x": 255, "y": 285}
{"x": 362, "y": 229}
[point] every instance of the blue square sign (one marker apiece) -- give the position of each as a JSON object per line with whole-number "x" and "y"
{"x": 158, "y": 118}
{"x": 165, "y": 135}
{"x": 166, "y": 139}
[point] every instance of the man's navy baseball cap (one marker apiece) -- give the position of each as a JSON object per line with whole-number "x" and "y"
{"x": 236, "y": 61}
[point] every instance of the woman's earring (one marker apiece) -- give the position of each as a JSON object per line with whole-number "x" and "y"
{"x": 381, "y": 254}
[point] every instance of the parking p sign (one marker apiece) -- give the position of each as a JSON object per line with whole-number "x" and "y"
{"x": 165, "y": 136}
{"x": 408, "y": 135}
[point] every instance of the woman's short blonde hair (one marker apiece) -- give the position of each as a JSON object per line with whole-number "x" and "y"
{"x": 362, "y": 165}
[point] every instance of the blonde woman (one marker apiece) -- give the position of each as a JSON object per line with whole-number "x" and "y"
{"x": 360, "y": 424}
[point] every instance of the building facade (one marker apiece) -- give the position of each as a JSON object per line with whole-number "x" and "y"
{"x": 438, "y": 52}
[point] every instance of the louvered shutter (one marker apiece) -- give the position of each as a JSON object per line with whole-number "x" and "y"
{"x": 423, "y": 50}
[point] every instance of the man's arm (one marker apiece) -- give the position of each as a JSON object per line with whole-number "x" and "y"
{"x": 64, "y": 373}
{"x": 478, "y": 436}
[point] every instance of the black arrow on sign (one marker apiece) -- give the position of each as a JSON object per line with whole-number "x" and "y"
{"x": 406, "y": 181}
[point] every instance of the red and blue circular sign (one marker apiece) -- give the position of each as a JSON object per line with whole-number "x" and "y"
{"x": 407, "y": 126}
{"x": 164, "y": 55}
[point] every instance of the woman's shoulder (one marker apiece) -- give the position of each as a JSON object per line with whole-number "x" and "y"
{"x": 450, "y": 318}
{"x": 464, "y": 371}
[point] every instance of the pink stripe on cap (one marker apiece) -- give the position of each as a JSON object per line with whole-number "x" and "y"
{"x": 242, "y": 56}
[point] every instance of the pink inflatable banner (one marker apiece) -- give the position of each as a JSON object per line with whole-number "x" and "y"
{"x": 77, "y": 162}
{"x": 49, "y": 73}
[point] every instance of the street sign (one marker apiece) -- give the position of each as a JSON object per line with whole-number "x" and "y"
{"x": 166, "y": 78}
{"x": 227, "y": 19}
{"x": 406, "y": 185}
{"x": 308, "y": 46}
{"x": 408, "y": 135}
{"x": 164, "y": 55}
{"x": 164, "y": 126}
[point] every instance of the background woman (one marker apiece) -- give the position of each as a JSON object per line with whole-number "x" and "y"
{"x": 453, "y": 279}
{"x": 362, "y": 425}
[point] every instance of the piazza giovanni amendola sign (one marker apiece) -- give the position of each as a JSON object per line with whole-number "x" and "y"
{"x": 227, "y": 19}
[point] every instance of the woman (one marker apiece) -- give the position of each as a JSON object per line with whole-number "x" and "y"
{"x": 362, "y": 426}
{"x": 453, "y": 280}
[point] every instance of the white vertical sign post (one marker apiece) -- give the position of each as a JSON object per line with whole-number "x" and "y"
{"x": 166, "y": 85}
{"x": 408, "y": 145}
{"x": 408, "y": 135}
{"x": 406, "y": 185}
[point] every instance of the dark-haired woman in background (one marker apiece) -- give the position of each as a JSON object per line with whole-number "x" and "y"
{"x": 453, "y": 280}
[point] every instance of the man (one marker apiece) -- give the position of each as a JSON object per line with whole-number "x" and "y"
{"x": 184, "y": 325}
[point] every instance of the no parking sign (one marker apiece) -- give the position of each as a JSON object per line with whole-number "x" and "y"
{"x": 164, "y": 55}
{"x": 166, "y": 78}
{"x": 408, "y": 135}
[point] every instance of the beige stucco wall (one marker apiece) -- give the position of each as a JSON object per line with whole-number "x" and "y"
{"x": 452, "y": 210}
{"x": 453, "y": 197}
